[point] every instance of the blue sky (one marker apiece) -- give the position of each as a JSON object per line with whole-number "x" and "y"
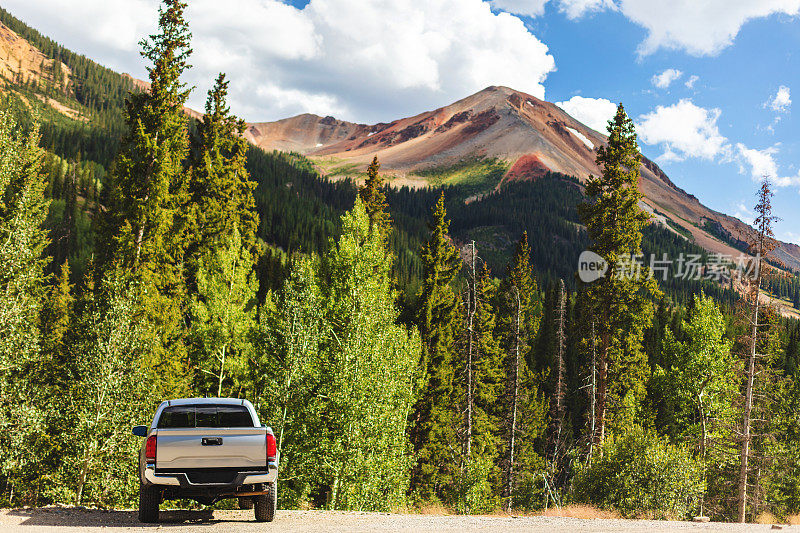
{"x": 377, "y": 60}
{"x": 597, "y": 56}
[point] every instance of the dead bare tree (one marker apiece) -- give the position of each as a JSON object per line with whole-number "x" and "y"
{"x": 514, "y": 396}
{"x": 762, "y": 243}
{"x": 557, "y": 406}
{"x": 472, "y": 306}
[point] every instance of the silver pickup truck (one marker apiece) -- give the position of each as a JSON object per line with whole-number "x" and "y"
{"x": 207, "y": 449}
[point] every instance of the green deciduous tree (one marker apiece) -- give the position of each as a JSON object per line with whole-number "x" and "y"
{"x": 23, "y": 209}
{"x": 223, "y": 315}
{"x": 640, "y": 474}
{"x": 702, "y": 378}
{"x": 368, "y": 373}
{"x": 344, "y": 374}
{"x": 112, "y": 392}
{"x": 285, "y": 372}
{"x": 701, "y": 383}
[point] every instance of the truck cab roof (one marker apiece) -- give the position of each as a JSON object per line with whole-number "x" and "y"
{"x": 206, "y": 401}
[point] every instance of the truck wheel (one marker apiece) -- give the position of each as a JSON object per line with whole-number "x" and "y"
{"x": 149, "y": 499}
{"x": 245, "y": 502}
{"x": 265, "y": 504}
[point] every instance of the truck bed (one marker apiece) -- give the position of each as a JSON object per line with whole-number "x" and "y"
{"x": 201, "y": 448}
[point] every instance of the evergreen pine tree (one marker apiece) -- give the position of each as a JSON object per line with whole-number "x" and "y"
{"x": 524, "y": 410}
{"x": 481, "y": 475}
{"x": 435, "y": 421}
{"x": 221, "y": 189}
{"x": 620, "y": 301}
{"x": 143, "y": 227}
{"x": 23, "y": 209}
{"x": 374, "y": 198}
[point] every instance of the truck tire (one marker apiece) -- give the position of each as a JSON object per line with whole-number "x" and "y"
{"x": 149, "y": 499}
{"x": 265, "y": 504}
{"x": 245, "y": 502}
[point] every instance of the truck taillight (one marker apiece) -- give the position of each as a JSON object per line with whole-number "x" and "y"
{"x": 272, "y": 447}
{"x": 150, "y": 448}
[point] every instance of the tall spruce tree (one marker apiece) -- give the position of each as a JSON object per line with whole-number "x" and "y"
{"x": 480, "y": 475}
{"x": 374, "y": 199}
{"x": 621, "y": 300}
{"x": 435, "y": 421}
{"x": 23, "y": 209}
{"x": 144, "y": 223}
{"x": 221, "y": 189}
{"x": 523, "y": 407}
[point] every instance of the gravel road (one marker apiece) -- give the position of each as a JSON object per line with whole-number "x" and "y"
{"x": 68, "y": 520}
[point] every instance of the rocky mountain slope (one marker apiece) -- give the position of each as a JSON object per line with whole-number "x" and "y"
{"x": 530, "y": 135}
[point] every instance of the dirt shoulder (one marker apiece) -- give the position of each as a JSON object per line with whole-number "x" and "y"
{"x": 68, "y": 520}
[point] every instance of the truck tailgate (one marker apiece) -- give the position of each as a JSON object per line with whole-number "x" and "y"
{"x": 179, "y": 449}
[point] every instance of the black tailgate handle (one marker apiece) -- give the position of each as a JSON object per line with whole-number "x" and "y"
{"x": 212, "y": 441}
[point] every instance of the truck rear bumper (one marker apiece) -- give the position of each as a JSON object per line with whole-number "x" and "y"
{"x": 181, "y": 479}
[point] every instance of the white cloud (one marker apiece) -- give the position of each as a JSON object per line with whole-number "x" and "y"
{"x": 575, "y": 9}
{"x": 684, "y": 130}
{"x": 665, "y": 79}
{"x": 364, "y": 61}
{"x": 594, "y": 112}
{"x": 789, "y": 236}
{"x": 698, "y": 27}
{"x": 528, "y": 8}
{"x": 762, "y": 164}
{"x": 781, "y": 101}
{"x": 691, "y": 81}
{"x": 743, "y": 213}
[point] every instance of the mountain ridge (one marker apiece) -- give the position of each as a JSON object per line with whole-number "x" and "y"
{"x": 533, "y": 136}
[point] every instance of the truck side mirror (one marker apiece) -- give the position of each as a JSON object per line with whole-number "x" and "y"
{"x": 140, "y": 431}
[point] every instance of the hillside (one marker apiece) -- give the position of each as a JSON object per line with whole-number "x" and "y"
{"x": 532, "y": 137}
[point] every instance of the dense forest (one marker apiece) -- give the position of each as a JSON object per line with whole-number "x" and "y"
{"x": 409, "y": 347}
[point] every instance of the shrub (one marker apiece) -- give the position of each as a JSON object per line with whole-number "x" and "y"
{"x": 474, "y": 490}
{"x": 640, "y": 474}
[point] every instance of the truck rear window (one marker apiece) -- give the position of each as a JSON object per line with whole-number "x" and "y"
{"x": 205, "y": 416}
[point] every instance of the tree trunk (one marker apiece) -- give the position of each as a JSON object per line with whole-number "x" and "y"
{"x": 472, "y": 305}
{"x": 221, "y": 372}
{"x": 593, "y": 396}
{"x": 748, "y": 405}
{"x": 558, "y": 393}
{"x": 514, "y": 400}
{"x": 602, "y": 392}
